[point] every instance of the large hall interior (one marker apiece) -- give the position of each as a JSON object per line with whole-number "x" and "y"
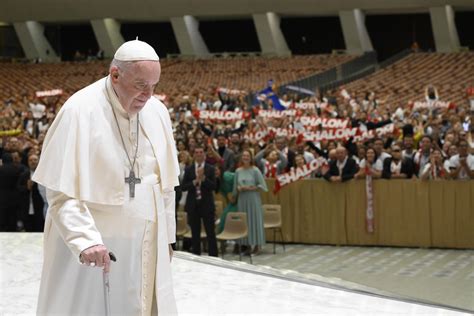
{"x": 357, "y": 118}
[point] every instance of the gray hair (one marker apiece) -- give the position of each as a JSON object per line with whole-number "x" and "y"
{"x": 120, "y": 64}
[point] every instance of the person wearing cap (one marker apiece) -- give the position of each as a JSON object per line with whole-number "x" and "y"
{"x": 109, "y": 165}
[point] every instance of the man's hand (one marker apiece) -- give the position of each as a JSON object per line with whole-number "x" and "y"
{"x": 171, "y": 253}
{"x": 29, "y": 184}
{"x": 200, "y": 174}
{"x": 335, "y": 179}
{"x": 96, "y": 256}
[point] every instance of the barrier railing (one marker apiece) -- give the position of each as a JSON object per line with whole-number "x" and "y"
{"x": 340, "y": 73}
{"x": 408, "y": 213}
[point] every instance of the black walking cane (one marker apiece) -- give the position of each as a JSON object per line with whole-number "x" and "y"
{"x": 105, "y": 276}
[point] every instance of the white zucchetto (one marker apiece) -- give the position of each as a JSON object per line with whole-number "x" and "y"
{"x": 135, "y": 51}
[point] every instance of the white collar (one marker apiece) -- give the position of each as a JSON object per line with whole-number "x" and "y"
{"x": 396, "y": 163}
{"x": 342, "y": 163}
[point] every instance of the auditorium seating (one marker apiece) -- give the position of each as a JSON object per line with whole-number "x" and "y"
{"x": 242, "y": 73}
{"x": 405, "y": 80}
{"x": 179, "y": 76}
{"x": 399, "y": 83}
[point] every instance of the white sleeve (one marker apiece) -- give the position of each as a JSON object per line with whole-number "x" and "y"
{"x": 425, "y": 169}
{"x": 470, "y": 162}
{"x": 446, "y": 165}
{"x": 453, "y": 163}
{"x": 378, "y": 165}
{"x": 169, "y": 200}
{"x": 74, "y": 221}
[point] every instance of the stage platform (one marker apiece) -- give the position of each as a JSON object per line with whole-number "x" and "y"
{"x": 211, "y": 286}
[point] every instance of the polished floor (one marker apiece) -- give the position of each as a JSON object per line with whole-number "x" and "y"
{"x": 209, "y": 286}
{"x": 440, "y": 276}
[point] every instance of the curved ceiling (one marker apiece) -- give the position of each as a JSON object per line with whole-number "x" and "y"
{"x": 162, "y": 10}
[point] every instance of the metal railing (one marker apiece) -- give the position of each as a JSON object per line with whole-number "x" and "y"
{"x": 395, "y": 58}
{"x": 356, "y": 74}
{"x": 330, "y": 77}
{"x": 355, "y": 69}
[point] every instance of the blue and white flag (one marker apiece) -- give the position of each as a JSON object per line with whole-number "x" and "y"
{"x": 269, "y": 94}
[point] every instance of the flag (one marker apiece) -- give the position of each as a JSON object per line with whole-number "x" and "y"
{"x": 269, "y": 94}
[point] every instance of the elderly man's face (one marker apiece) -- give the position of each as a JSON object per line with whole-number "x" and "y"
{"x": 135, "y": 84}
{"x": 341, "y": 154}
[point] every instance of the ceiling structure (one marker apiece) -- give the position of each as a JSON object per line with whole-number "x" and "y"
{"x": 162, "y": 10}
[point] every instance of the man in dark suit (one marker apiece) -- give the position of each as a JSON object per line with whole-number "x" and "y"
{"x": 341, "y": 169}
{"x": 32, "y": 202}
{"x": 200, "y": 182}
{"x": 9, "y": 194}
{"x": 226, "y": 154}
{"x": 397, "y": 167}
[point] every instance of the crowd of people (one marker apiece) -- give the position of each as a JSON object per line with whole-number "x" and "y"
{"x": 405, "y": 139}
{"x": 351, "y": 134}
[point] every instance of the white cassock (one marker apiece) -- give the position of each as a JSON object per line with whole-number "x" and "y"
{"x": 83, "y": 166}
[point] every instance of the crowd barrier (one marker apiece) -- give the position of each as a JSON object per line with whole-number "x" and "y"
{"x": 407, "y": 213}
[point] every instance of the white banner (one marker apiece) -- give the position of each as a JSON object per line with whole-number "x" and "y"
{"x": 49, "y": 93}
{"x": 230, "y": 91}
{"x": 313, "y": 121}
{"x": 268, "y": 114}
{"x": 325, "y": 134}
{"x": 431, "y": 105}
{"x": 221, "y": 115}
{"x": 296, "y": 174}
{"x": 305, "y": 106}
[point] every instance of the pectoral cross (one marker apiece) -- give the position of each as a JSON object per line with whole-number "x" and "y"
{"x": 131, "y": 180}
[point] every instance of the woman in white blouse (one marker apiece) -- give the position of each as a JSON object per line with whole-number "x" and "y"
{"x": 370, "y": 165}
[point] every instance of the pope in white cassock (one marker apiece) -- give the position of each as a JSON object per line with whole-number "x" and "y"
{"x": 109, "y": 164}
